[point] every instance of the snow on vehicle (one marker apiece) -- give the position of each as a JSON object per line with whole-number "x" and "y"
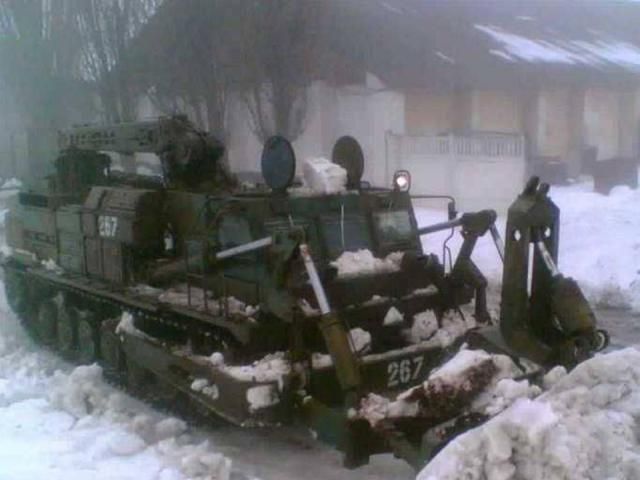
{"x": 274, "y": 303}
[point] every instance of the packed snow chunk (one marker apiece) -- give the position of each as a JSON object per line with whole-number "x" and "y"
{"x": 12, "y": 183}
{"x": 262, "y": 396}
{"x": 202, "y": 385}
{"x": 216, "y": 359}
{"x": 272, "y": 367}
{"x": 321, "y": 360}
{"x": 393, "y": 317}
{"x": 169, "y": 428}
{"x": 360, "y": 340}
{"x": 474, "y": 380}
{"x": 323, "y": 176}
{"x": 199, "y": 384}
{"x": 126, "y": 325}
{"x": 582, "y": 427}
{"x": 362, "y": 262}
{"x": 425, "y": 325}
{"x": 125, "y": 444}
{"x": 82, "y": 392}
{"x": 425, "y": 328}
{"x": 200, "y": 463}
{"x": 51, "y": 266}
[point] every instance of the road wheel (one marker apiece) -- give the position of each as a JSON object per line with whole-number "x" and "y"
{"x": 141, "y": 381}
{"x": 46, "y": 323}
{"x": 88, "y": 339}
{"x": 15, "y": 287}
{"x": 112, "y": 356}
{"x": 67, "y": 329}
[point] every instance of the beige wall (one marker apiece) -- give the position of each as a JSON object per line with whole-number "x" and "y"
{"x": 429, "y": 113}
{"x": 486, "y": 110}
{"x": 553, "y": 123}
{"x": 602, "y": 121}
{"x": 497, "y": 111}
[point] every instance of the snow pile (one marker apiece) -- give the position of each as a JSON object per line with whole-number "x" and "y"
{"x": 202, "y": 385}
{"x": 179, "y": 296}
{"x": 425, "y": 328}
{"x": 323, "y": 176}
{"x": 583, "y": 427}
{"x": 362, "y": 262}
{"x": 393, "y": 317}
{"x": 68, "y": 424}
{"x": 12, "y": 183}
{"x": 127, "y": 325}
{"x": 602, "y": 51}
{"x": 360, "y": 340}
{"x": 51, "y": 266}
{"x": 262, "y": 396}
{"x": 599, "y": 246}
{"x": 271, "y": 368}
{"x": 454, "y": 379}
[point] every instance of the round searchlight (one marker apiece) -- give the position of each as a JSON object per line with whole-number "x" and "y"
{"x": 402, "y": 181}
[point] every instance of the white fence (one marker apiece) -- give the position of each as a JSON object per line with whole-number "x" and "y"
{"x": 480, "y": 171}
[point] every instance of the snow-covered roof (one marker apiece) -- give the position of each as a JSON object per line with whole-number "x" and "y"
{"x": 458, "y": 43}
{"x": 447, "y": 44}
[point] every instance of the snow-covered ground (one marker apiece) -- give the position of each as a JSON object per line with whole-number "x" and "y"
{"x": 599, "y": 243}
{"x": 61, "y": 422}
{"x": 584, "y": 427}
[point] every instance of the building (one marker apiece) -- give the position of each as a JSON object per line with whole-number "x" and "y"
{"x": 468, "y": 94}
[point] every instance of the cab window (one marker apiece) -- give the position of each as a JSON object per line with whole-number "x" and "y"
{"x": 393, "y": 227}
{"x": 233, "y": 231}
{"x": 348, "y": 234}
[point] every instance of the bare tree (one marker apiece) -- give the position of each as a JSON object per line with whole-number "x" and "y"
{"x": 193, "y": 71}
{"x": 106, "y": 29}
{"x": 280, "y": 41}
{"x": 38, "y": 51}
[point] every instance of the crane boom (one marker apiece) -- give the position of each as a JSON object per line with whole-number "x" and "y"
{"x": 188, "y": 155}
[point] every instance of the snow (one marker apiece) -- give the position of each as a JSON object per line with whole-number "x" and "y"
{"x": 501, "y": 392}
{"x": 362, "y": 262}
{"x": 599, "y": 245}
{"x": 393, "y": 317}
{"x": 360, "y": 340}
{"x": 179, "y": 296}
{"x": 426, "y": 331}
{"x": 445, "y": 58}
{"x": 127, "y": 325}
{"x": 323, "y": 176}
{"x": 51, "y": 266}
{"x": 582, "y": 427}
{"x": 202, "y": 385}
{"x": 599, "y": 51}
{"x": 262, "y": 396}
{"x": 64, "y": 423}
{"x": 271, "y": 368}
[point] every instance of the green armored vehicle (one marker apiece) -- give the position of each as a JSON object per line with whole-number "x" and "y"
{"x": 271, "y": 304}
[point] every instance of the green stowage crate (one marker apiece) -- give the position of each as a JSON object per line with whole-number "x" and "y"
{"x": 39, "y": 220}
{"x": 71, "y": 263}
{"x": 71, "y": 252}
{"x": 68, "y": 219}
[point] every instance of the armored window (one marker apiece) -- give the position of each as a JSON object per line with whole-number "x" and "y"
{"x": 345, "y": 234}
{"x": 393, "y": 229}
{"x": 233, "y": 231}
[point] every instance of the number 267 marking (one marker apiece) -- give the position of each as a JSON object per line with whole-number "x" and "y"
{"x": 404, "y": 371}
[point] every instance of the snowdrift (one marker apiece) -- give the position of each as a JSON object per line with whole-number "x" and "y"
{"x": 583, "y": 427}
{"x": 61, "y": 423}
{"x": 599, "y": 245}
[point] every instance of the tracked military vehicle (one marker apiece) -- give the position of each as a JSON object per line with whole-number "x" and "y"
{"x": 235, "y": 301}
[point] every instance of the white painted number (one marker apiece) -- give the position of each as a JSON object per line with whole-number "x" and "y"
{"x": 107, "y": 225}
{"x": 404, "y": 371}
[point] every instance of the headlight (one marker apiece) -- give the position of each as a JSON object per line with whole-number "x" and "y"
{"x": 402, "y": 181}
